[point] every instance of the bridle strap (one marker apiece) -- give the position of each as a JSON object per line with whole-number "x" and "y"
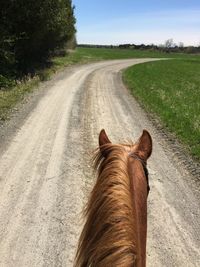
{"x": 144, "y": 165}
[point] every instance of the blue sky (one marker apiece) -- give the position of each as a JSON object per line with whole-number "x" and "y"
{"x": 131, "y": 21}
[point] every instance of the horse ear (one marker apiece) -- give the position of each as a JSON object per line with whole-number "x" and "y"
{"x": 144, "y": 145}
{"x": 103, "y": 138}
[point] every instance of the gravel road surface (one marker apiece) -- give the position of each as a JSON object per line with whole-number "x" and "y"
{"x": 45, "y": 172}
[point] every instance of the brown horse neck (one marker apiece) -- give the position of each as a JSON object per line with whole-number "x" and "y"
{"x": 139, "y": 190}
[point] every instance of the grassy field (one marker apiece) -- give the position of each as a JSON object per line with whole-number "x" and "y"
{"x": 91, "y": 54}
{"x": 171, "y": 90}
{"x": 85, "y": 55}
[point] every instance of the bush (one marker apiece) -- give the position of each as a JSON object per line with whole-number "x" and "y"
{"x": 6, "y": 82}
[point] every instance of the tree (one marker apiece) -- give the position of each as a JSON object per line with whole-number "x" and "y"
{"x": 169, "y": 43}
{"x": 32, "y": 30}
{"x": 180, "y": 44}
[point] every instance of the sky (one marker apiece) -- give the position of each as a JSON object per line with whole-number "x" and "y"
{"x": 137, "y": 21}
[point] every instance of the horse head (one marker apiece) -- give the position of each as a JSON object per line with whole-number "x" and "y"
{"x": 116, "y": 215}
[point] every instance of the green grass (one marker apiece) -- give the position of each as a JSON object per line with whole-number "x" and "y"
{"x": 171, "y": 90}
{"x": 108, "y": 53}
{"x": 86, "y": 55}
{"x": 9, "y": 97}
{"x": 83, "y": 55}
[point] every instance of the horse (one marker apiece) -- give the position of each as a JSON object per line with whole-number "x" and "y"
{"x": 115, "y": 231}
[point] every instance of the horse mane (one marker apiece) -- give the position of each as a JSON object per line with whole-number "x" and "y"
{"x": 108, "y": 237}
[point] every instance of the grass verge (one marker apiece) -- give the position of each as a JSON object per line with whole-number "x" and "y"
{"x": 171, "y": 90}
{"x": 10, "y": 97}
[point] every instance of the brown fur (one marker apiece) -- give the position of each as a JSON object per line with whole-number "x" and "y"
{"x": 108, "y": 237}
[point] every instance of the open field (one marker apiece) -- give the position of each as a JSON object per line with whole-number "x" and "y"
{"x": 171, "y": 90}
{"x": 87, "y": 54}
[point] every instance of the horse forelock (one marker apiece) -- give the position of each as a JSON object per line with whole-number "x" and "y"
{"x": 108, "y": 237}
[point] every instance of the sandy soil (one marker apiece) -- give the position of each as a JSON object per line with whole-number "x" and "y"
{"x": 45, "y": 172}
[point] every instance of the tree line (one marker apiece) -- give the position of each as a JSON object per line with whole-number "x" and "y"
{"x": 31, "y": 31}
{"x": 168, "y": 47}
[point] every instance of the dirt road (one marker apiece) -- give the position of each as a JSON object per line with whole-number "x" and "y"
{"x": 45, "y": 172}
